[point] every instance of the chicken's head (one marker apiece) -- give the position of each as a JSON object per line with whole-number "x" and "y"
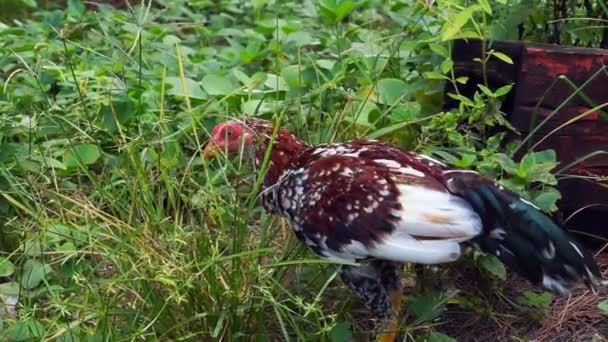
{"x": 228, "y": 137}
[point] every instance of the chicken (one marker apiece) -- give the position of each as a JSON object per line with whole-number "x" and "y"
{"x": 373, "y": 203}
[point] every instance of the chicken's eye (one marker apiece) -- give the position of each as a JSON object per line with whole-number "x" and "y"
{"x": 229, "y": 133}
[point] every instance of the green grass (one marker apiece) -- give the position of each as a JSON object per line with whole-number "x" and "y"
{"x": 114, "y": 228}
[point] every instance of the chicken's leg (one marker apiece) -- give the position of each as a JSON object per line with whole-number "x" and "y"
{"x": 378, "y": 286}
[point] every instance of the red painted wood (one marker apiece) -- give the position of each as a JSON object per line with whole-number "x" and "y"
{"x": 579, "y": 193}
{"x": 542, "y": 65}
{"x": 573, "y": 147}
{"x": 536, "y": 67}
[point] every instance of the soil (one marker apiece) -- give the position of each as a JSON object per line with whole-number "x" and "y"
{"x": 498, "y": 316}
{"x": 568, "y": 318}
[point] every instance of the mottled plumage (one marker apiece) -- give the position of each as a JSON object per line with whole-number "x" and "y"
{"x": 370, "y": 200}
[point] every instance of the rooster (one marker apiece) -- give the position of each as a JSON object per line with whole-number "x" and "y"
{"x": 373, "y": 204}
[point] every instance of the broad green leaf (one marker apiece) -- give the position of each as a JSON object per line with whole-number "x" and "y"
{"x": 486, "y": 90}
{"x": 253, "y": 82}
{"x": 485, "y": 5}
{"x": 10, "y": 289}
{"x": 241, "y": 76}
{"x": 33, "y": 247}
{"x": 465, "y": 100}
{"x": 336, "y": 10}
{"x": 341, "y": 332}
{"x": 76, "y": 6}
{"x": 171, "y": 40}
{"x": 446, "y": 65}
{"x": 462, "y": 79}
{"x": 33, "y": 273}
{"x": 502, "y": 57}
{"x": 66, "y": 247}
{"x": 493, "y": 143}
{"x": 504, "y": 90}
{"x": 301, "y": 38}
{"x": 388, "y": 130}
{"x": 426, "y": 307}
{"x": 328, "y": 9}
{"x": 29, "y": 3}
{"x": 276, "y": 83}
{"x": 391, "y": 90}
{"x": 487, "y": 168}
{"x": 526, "y": 165}
{"x": 59, "y": 232}
{"x": 326, "y": 63}
{"x": 29, "y": 165}
{"x": 446, "y": 156}
{"x": 431, "y": 75}
{"x": 71, "y": 334}
{"x": 345, "y": 8}
{"x": 547, "y": 199}
{"x": 292, "y": 75}
{"x": 532, "y": 299}
{"x": 454, "y": 24}
{"x": 257, "y": 79}
{"x": 194, "y": 90}
{"x": 507, "y": 164}
{"x": 546, "y": 157}
{"x": 466, "y": 34}
{"x": 252, "y": 52}
{"x": 363, "y": 113}
{"x": 52, "y": 162}
{"x": 25, "y": 330}
{"x": 603, "y": 306}
{"x": 405, "y": 111}
{"x": 439, "y": 49}
{"x": 6, "y": 267}
{"x": 541, "y": 172}
{"x": 466, "y": 161}
{"x": 491, "y": 264}
{"x": 256, "y": 107}
{"x": 117, "y": 113}
{"x": 439, "y": 337}
{"x": 86, "y": 154}
{"x": 513, "y": 184}
{"x": 217, "y": 85}
{"x": 257, "y": 4}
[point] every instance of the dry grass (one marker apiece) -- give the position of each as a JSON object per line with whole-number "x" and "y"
{"x": 572, "y": 318}
{"x": 497, "y": 317}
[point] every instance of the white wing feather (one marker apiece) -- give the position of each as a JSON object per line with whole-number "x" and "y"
{"x": 427, "y": 213}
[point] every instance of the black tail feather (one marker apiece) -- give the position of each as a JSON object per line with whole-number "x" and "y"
{"x": 528, "y": 241}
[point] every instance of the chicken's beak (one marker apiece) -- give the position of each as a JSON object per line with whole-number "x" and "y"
{"x": 211, "y": 150}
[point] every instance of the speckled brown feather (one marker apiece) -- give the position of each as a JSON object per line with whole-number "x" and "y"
{"x": 338, "y": 195}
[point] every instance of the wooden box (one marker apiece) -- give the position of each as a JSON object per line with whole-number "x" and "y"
{"x": 544, "y": 76}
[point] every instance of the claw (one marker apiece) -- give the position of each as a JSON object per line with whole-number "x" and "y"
{"x": 390, "y": 329}
{"x": 391, "y": 334}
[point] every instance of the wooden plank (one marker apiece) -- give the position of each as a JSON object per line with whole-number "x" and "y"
{"x": 541, "y": 66}
{"x": 591, "y": 222}
{"x": 578, "y": 193}
{"x": 536, "y": 67}
{"x": 524, "y": 118}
